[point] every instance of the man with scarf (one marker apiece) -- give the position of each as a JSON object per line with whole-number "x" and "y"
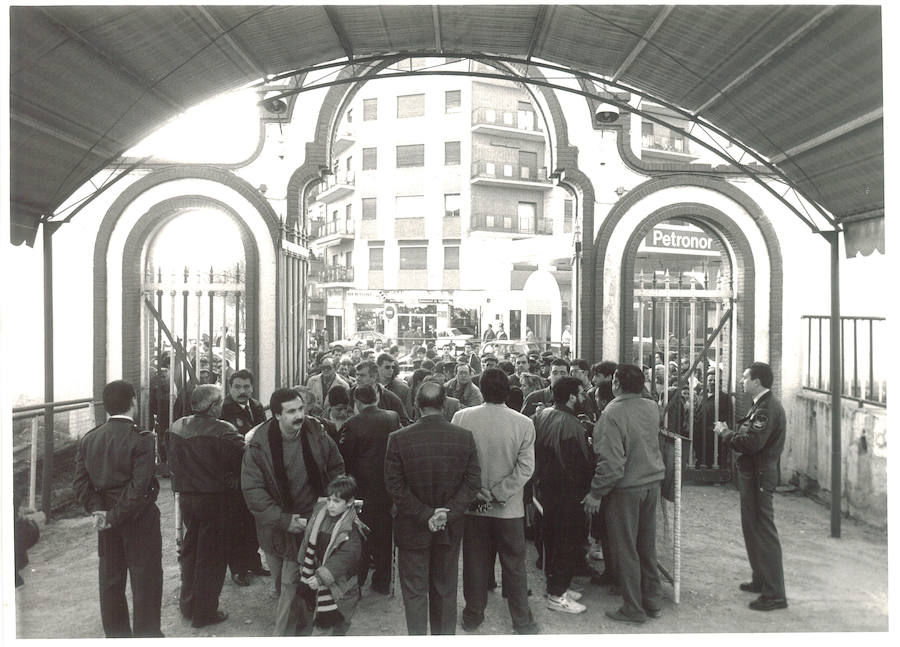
{"x": 563, "y": 468}
{"x": 287, "y": 464}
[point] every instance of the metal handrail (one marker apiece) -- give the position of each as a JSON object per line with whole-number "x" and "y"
{"x": 47, "y": 405}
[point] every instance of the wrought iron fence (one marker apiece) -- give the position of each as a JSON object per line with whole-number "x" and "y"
{"x": 863, "y": 365}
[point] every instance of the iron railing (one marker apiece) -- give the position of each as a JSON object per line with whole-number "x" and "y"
{"x": 511, "y": 224}
{"x": 329, "y": 227}
{"x": 505, "y": 118}
{"x": 863, "y": 366}
{"x": 511, "y": 171}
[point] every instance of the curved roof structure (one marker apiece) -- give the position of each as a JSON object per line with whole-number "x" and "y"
{"x": 799, "y": 84}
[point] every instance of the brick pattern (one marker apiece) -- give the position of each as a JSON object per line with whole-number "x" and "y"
{"x": 594, "y": 270}
{"x": 132, "y": 272}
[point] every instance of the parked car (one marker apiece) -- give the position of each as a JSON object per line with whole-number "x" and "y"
{"x": 452, "y": 336}
{"x": 367, "y": 337}
{"x": 503, "y": 347}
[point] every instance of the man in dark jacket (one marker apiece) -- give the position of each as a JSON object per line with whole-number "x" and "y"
{"x": 431, "y": 472}
{"x": 203, "y": 452}
{"x": 760, "y": 440}
{"x": 367, "y": 373}
{"x": 387, "y": 377}
{"x": 363, "y": 443}
{"x": 628, "y": 472}
{"x": 705, "y": 419}
{"x": 563, "y": 467}
{"x": 241, "y": 545}
{"x": 287, "y": 465}
{"x": 114, "y": 482}
{"x": 544, "y": 397}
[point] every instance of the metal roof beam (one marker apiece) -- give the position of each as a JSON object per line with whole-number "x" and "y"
{"x": 633, "y": 54}
{"x": 338, "y": 28}
{"x": 796, "y": 35}
{"x": 436, "y": 19}
{"x": 540, "y": 22}
{"x": 830, "y": 136}
{"x": 133, "y": 76}
{"x": 61, "y": 136}
{"x": 225, "y": 36}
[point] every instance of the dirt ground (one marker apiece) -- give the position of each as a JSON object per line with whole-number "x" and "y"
{"x": 832, "y": 584}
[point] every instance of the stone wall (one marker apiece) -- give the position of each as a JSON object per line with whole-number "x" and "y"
{"x": 806, "y": 461}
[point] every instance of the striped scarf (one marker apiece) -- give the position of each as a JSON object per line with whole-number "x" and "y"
{"x": 326, "y": 611}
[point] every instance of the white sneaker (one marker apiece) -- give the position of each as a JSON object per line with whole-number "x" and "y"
{"x": 564, "y": 604}
{"x": 574, "y": 596}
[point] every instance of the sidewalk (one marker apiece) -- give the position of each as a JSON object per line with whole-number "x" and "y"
{"x": 832, "y": 584}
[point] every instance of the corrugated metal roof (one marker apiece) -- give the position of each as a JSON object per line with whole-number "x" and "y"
{"x": 89, "y": 82}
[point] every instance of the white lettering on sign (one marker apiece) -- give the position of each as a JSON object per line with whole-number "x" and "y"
{"x": 681, "y": 241}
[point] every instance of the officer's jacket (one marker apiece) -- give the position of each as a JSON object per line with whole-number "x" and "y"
{"x": 760, "y": 435}
{"x": 243, "y": 419}
{"x": 202, "y": 452}
{"x": 114, "y": 470}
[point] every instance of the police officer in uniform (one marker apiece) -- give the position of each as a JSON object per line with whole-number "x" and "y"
{"x": 241, "y": 544}
{"x": 759, "y": 439}
{"x": 114, "y": 482}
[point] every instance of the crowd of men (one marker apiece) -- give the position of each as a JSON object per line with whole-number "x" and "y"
{"x": 466, "y": 453}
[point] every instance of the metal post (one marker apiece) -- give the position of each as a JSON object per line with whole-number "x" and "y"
{"x": 833, "y": 238}
{"x": 172, "y": 362}
{"x": 237, "y": 322}
{"x": 47, "y": 470}
{"x": 224, "y": 336}
{"x": 666, "y": 313}
{"x": 693, "y": 315}
{"x": 199, "y": 323}
{"x": 32, "y": 477}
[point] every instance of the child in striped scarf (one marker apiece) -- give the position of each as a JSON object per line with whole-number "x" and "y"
{"x": 329, "y": 557}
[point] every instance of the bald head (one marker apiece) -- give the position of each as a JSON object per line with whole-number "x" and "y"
{"x": 431, "y": 396}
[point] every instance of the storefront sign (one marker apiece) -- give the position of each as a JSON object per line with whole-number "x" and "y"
{"x": 661, "y": 238}
{"x": 373, "y": 295}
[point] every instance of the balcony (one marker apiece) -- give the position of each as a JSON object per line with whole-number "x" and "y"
{"x": 331, "y": 231}
{"x": 336, "y": 186}
{"x": 344, "y": 139}
{"x": 666, "y": 147}
{"x": 489, "y": 121}
{"x": 332, "y": 274}
{"x": 508, "y": 174}
{"x": 511, "y": 224}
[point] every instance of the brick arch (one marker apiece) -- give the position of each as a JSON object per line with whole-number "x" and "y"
{"x": 115, "y": 212}
{"x": 729, "y": 235}
{"x": 144, "y": 231}
{"x": 728, "y": 229}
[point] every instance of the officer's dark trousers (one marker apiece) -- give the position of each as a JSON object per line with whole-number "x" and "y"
{"x": 564, "y": 529}
{"x": 483, "y": 538}
{"x": 241, "y": 547}
{"x": 378, "y": 546}
{"x": 202, "y": 555}
{"x": 429, "y": 580}
{"x": 631, "y": 524}
{"x": 133, "y": 548}
{"x": 760, "y": 535}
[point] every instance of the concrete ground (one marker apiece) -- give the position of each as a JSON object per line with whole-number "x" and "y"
{"x": 832, "y": 584}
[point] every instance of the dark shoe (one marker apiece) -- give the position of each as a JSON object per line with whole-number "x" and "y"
{"x": 220, "y": 616}
{"x": 259, "y": 570}
{"x": 768, "y": 604}
{"x": 653, "y": 613}
{"x": 751, "y": 587}
{"x": 527, "y": 630}
{"x": 469, "y": 625}
{"x": 604, "y": 579}
{"x": 240, "y": 579}
{"x": 618, "y": 616}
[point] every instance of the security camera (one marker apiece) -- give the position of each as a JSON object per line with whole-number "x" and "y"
{"x": 606, "y": 113}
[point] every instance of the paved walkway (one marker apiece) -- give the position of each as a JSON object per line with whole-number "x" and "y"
{"x": 832, "y": 585}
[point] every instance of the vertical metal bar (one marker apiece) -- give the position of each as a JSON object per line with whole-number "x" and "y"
{"x": 692, "y": 312}
{"x": 159, "y": 296}
{"x": 184, "y": 341}
{"x": 809, "y": 352}
{"x": 212, "y": 314}
{"x": 833, "y": 238}
{"x": 223, "y": 380}
{"x": 199, "y": 324}
{"x": 640, "y": 327}
{"x": 146, "y": 420}
{"x": 667, "y": 308}
{"x": 856, "y": 391}
{"x": 32, "y": 476}
{"x": 237, "y": 320}
{"x": 676, "y": 534}
{"x": 47, "y": 470}
{"x": 172, "y": 361}
{"x": 820, "y": 352}
{"x": 871, "y": 360}
{"x": 653, "y": 347}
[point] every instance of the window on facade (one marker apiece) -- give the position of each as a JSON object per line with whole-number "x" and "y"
{"x": 568, "y": 215}
{"x": 410, "y": 155}
{"x": 349, "y": 164}
{"x": 452, "y": 101}
{"x": 370, "y": 109}
{"x": 452, "y": 203}
{"x": 413, "y": 258}
{"x": 368, "y": 209}
{"x": 348, "y": 215}
{"x": 658, "y": 137}
{"x": 370, "y": 159}
{"x": 527, "y": 216}
{"x": 451, "y": 257}
{"x": 410, "y": 206}
{"x": 527, "y": 165}
{"x": 376, "y": 258}
{"x": 410, "y": 105}
{"x": 350, "y": 116}
{"x": 451, "y": 153}
{"x": 526, "y": 116}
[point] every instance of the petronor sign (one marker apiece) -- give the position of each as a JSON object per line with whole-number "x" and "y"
{"x": 679, "y": 239}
